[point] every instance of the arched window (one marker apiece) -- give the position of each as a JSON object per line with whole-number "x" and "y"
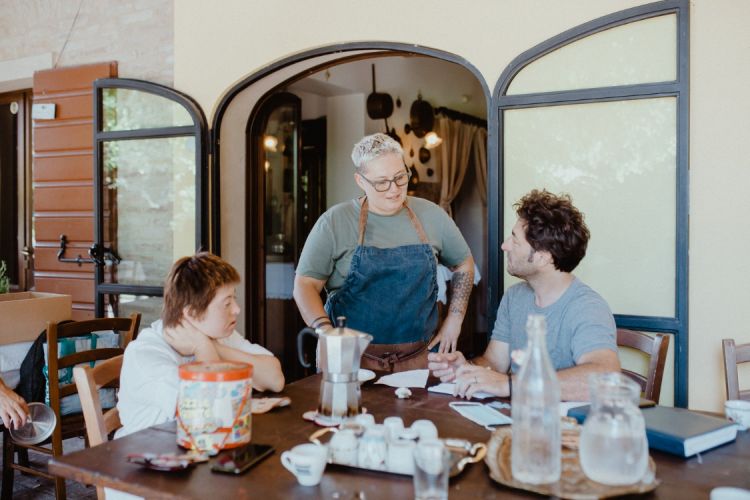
{"x": 150, "y": 197}
{"x": 600, "y": 112}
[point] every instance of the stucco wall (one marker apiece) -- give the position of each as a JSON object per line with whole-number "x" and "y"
{"x": 248, "y": 35}
{"x": 719, "y": 204}
{"x": 36, "y": 34}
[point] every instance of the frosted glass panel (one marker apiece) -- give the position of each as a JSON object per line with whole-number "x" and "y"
{"x": 150, "y": 193}
{"x": 126, "y": 109}
{"x": 639, "y": 52}
{"x": 618, "y": 162}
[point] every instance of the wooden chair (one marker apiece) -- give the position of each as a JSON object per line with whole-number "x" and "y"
{"x": 656, "y": 348}
{"x": 69, "y": 425}
{"x": 734, "y": 354}
{"x": 99, "y": 424}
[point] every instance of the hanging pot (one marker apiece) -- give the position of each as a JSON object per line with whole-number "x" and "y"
{"x": 424, "y": 155}
{"x": 379, "y": 105}
{"x": 421, "y": 117}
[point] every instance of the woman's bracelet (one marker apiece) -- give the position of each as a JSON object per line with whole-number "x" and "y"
{"x": 319, "y": 321}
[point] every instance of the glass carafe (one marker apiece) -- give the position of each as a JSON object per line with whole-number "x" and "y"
{"x": 613, "y": 448}
{"x": 535, "y": 448}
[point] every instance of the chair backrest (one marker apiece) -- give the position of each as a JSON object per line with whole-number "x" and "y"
{"x": 99, "y": 424}
{"x": 656, "y": 348}
{"x": 734, "y": 354}
{"x": 128, "y": 328}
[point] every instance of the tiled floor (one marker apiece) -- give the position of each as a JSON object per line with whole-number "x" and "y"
{"x": 27, "y": 486}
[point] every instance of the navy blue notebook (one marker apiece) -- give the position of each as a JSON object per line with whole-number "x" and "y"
{"x": 677, "y": 430}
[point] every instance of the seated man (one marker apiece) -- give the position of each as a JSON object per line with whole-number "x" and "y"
{"x": 13, "y": 409}
{"x": 547, "y": 242}
{"x": 198, "y": 320}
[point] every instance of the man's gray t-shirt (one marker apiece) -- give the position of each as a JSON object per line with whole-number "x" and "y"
{"x": 580, "y": 321}
{"x": 328, "y": 250}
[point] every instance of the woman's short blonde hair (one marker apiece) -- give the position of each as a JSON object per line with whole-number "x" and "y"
{"x": 371, "y": 147}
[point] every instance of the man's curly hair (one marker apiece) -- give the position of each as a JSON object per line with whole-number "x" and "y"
{"x": 554, "y": 225}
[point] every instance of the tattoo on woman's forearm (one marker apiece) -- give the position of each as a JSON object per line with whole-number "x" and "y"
{"x": 460, "y": 291}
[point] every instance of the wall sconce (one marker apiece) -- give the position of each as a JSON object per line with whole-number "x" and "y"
{"x": 270, "y": 142}
{"x": 432, "y": 140}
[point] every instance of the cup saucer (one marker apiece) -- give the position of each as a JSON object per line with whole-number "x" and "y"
{"x": 364, "y": 375}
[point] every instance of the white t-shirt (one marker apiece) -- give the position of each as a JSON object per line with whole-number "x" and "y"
{"x": 149, "y": 380}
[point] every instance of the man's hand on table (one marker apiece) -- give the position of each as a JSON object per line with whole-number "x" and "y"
{"x": 471, "y": 379}
{"x": 444, "y": 365}
{"x": 13, "y": 409}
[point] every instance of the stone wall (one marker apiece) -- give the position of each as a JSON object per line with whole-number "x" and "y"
{"x": 138, "y": 34}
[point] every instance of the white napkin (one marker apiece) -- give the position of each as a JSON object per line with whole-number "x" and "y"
{"x": 448, "y": 387}
{"x": 409, "y": 378}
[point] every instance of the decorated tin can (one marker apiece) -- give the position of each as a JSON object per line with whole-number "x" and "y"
{"x": 214, "y": 405}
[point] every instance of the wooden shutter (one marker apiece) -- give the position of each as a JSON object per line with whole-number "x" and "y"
{"x": 63, "y": 170}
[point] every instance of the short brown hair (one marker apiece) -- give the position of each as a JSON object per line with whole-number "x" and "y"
{"x": 193, "y": 282}
{"x": 554, "y": 225}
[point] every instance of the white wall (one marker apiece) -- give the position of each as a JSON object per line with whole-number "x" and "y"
{"x": 345, "y": 126}
{"x": 719, "y": 204}
{"x": 490, "y": 34}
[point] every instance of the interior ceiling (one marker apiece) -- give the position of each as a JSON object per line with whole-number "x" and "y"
{"x": 440, "y": 82}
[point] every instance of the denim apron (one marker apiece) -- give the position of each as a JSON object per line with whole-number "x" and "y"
{"x": 390, "y": 293}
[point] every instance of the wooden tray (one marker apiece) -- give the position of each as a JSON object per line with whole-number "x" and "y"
{"x": 573, "y": 482}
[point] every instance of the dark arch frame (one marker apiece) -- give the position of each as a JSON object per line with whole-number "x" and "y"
{"x": 403, "y": 48}
{"x": 678, "y": 88}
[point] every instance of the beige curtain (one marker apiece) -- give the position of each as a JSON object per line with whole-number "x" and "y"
{"x": 480, "y": 162}
{"x": 453, "y": 157}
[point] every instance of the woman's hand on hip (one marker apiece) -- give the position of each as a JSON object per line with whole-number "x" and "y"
{"x": 448, "y": 334}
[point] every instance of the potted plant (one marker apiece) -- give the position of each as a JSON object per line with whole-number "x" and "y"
{"x": 4, "y": 280}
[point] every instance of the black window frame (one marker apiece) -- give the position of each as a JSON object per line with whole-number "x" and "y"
{"x": 679, "y": 89}
{"x": 199, "y": 130}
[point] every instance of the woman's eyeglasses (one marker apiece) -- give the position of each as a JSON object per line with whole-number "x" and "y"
{"x": 400, "y": 180}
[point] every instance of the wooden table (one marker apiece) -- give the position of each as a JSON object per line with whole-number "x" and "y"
{"x": 105, "y": 465}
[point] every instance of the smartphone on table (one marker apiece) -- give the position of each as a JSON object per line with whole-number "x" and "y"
{"x": 241, "y": 459}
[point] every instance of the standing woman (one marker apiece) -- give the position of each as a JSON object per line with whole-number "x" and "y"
{"x": 377, "y": 256}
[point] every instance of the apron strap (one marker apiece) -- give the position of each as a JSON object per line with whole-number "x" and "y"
{"x": 391, "y": 354}
{"x": 412, "y": 216}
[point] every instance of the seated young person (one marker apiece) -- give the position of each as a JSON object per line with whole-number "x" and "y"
{"x": 197, "y": 324}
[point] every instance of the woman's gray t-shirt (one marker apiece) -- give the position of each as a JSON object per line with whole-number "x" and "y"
{"x": 329, "y": 247}
{"x": 580, "y": 321}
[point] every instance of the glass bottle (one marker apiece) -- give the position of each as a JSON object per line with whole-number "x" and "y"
{"x": 613, "y": 448}
{"x": 535, "y": 450}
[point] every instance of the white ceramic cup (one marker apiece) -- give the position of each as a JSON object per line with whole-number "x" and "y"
{"x": 425, "y": 428}
{"x": 401, "y": 456}
{"x": 343, "y": 447}
{"x": 365, "y": 420}
{"x": 373, "y": 448}
{"x": 394, "y": 425}
{"x": 307, "y": 462}
{"x": 729, "y": 493}
{"x": 738, "y": 411}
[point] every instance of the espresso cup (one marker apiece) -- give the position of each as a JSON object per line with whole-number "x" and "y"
{"x": 307, "y": 462}
{"x": 425, "y": 429}
{"x": 343, "y": 447}
{"x": 401, "y": 456}
{"x": 394, "y": 425}
{"x": 373, "y": 448}
{"x": 738, "y": 411}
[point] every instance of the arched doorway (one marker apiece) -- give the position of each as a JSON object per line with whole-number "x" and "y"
{"x": 297, "y": 76}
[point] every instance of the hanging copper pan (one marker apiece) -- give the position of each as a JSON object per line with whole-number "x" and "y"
{"x": 379, "y": 105}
